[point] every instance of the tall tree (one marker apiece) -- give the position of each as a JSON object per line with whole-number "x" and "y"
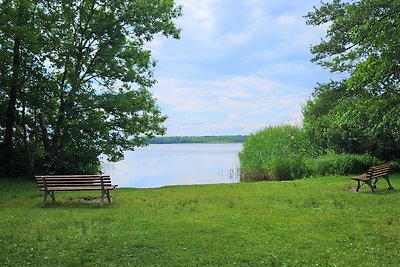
{"x": 104, "y": 72}
{"x": 360, "y": 113}
{"x": 18, "y": 42}
{"x": 96, "y": 97}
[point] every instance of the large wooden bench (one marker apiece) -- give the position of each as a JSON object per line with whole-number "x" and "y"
{"x": 52, "y": 183}
{"x": 372, "y": 176}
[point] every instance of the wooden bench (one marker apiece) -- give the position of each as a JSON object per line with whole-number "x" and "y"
{"x": 372, "y": 176}
{"x": 52, "y": 183}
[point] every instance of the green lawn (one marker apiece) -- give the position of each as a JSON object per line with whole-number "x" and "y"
{"x": 311, "y": 222}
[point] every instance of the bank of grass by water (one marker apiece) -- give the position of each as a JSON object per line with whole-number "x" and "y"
{"x": 317, "y": 221}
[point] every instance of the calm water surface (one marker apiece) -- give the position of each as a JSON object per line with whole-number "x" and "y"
{"x": 176, "y": 164}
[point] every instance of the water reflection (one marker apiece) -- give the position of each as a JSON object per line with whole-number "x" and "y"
{"x": 176, "y": 164}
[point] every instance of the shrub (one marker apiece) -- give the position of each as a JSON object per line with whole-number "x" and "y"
{"x": 395, "y": 165}
{"x": 276, "y": 153}
{"x": 341, "y": 164}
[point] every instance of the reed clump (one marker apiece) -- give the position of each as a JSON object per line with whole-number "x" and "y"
{"x": 286, "y": 153}
{"x": 276, "y": 153}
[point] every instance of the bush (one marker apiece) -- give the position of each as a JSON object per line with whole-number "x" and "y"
{"x": 276, "y": 153}
{"x": 341, "y": 164}
{"x": 395, "y": 165}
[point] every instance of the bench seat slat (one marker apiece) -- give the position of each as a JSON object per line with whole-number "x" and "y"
{"x": 385, "y": 166}
{"x": 74, "y": 185}
{"x": 363, "y": 177}
{"x": 380, "y": 172}
{"x": 381, "y": 169}
{"x": 70, "y": 176}
{"x": 75, "y": 182}
{"x": 77, "y": 188}
{"x": 74, "y": 179}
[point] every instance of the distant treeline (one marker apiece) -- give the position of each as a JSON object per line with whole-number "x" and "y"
{"x": 198, "y": 139}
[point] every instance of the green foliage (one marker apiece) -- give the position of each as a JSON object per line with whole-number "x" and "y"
{"x": 341, "y": 164}
{"x": 356, "y": 125}
{"x": 362, "y": 40}
{"x": 198, "y": 139}
{"x": 286, "y": 153}
{"x": 318, "y": 221}
{"x": 82, "y": 84}
{"x": 361, "y": 113}
{"x": 276, "y": 153}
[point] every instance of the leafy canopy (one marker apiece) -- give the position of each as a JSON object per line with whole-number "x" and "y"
{"x": 86, "y": 88}
{"x": 361, "y": 112}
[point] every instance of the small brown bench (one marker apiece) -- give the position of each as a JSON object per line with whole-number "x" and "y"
{"x": 52, "y": 183}
{"x": 372, "y": 176}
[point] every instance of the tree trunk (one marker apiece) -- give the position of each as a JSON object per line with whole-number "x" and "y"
{"x": 15, "y": 85}
{"x": 45, "y": 135}
{"x": 67, "y": 104}
{"x": 29, "y": 152}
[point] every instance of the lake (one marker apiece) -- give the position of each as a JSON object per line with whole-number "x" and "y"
{"x": 176, "y": 164}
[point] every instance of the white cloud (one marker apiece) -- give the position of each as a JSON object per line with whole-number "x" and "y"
{"x": 239, "y": 66}
{"x": 233, "y": 104}
{"x": 213, "y": 29}
{"x": 286, "y": 21}
{"x": 199, "y": 18}
{"x": 233, "y": 93}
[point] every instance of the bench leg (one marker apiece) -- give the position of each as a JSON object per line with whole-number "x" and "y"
{"x": 358, "y": 185}
{"x": 105, "y": 193}
{"x": 369, "y": 183}
{"x": 108, "y": 196}
{"x": 102, "y": 198}
{"x": 47, "y": 193}
{"x": 388, "y": 181}
{"x": 51, "y": 193}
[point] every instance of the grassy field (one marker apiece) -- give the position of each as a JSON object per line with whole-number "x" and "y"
{"x": 311, "y": 222}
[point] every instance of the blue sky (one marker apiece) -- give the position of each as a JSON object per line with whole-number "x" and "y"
{"x": 240, "y": 65}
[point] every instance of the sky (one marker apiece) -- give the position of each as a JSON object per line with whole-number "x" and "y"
{"x": 239, "y": 66}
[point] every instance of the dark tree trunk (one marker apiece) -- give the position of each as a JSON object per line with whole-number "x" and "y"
{"x": 15, "y": 85}
{"x": 29, "y": 152}
{"x": 45, "y": 135}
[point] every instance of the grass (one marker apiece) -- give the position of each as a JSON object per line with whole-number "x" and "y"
{"x": 317, "y": 221}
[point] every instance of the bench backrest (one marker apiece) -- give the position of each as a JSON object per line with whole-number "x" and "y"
{"x": 72, "y": 180}
{"x": 378, "y": 171}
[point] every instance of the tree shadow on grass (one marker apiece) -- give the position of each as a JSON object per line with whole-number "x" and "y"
{"x": 86, "y": 202}
{"x": 366, "y": 190}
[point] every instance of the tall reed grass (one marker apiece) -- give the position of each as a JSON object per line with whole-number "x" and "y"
{"x": 286, "y": 153}
{"x": 276, "y": 153}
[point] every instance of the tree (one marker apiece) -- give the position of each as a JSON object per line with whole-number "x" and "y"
{"x": 19, "y": 34}
{"x": 360, "y": 113}
{"x": 98, "y": 74}
{"x": 358, "y": 124}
